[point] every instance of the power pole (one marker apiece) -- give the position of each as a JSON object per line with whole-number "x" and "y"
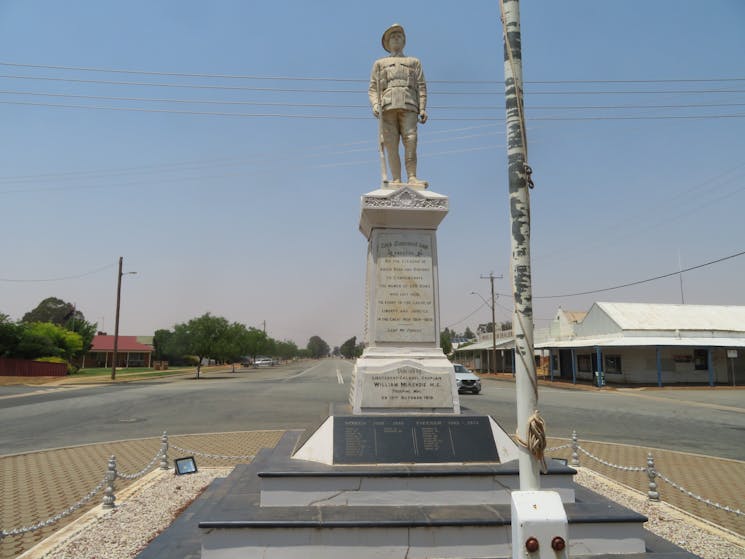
{"x": 526, "y": 380}
{"x": 116, "y": 319}
{"x": 493, "y": 361}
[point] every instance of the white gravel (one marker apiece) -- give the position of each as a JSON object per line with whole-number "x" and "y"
{"x": 690, "y": 533}
{"x": 125, "y": 531}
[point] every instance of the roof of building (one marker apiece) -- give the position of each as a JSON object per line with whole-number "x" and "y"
{"x": 125, "y": 344}
{"x": 574, "y": 316}
{"x": 646, "y": 316}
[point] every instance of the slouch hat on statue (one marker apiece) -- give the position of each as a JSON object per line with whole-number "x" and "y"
{"x": 387, "y": 34}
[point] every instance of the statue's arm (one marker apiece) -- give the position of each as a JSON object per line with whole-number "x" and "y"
{"x": 373, "y": 92}
{"x": 422, "y": 86}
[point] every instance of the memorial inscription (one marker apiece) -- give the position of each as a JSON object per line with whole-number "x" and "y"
{"x": 405, "y": 307}
{"x": 422, "y": 439}
{"x": 406, "y": 387}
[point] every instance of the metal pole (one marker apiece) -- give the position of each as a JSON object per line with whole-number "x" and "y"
{"x": 493, "y": 328}
{"x": 519, "y": 179}
{"x": 116, "y": 320}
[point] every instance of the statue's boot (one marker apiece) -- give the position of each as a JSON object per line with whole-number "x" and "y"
{"x": 413, "y": 181}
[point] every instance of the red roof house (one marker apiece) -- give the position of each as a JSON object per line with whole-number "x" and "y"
{"x": 132, "y": 351}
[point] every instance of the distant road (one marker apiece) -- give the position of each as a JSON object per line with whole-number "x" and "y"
{"x": 298, "y": 396}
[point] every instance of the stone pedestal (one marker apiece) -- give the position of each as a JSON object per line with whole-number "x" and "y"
{"x": 403, "y": 369}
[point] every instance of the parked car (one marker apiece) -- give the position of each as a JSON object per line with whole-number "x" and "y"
{"x": 263, "y": 362}
{"x": 466, "y": 380}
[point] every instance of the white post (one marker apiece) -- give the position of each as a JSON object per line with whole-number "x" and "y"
{"x": 519, "y": 180}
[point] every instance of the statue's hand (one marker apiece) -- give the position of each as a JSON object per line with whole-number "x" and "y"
{"x": 423, "y": 116}
{"x": 376, "y": 110}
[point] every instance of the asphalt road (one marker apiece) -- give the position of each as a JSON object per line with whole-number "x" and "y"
{"x": 704, "y": 421}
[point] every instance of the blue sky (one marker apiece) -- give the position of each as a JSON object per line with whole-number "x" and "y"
{"x": 255, "y": 217}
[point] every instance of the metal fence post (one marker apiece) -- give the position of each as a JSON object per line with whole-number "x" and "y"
{"x": 164, "y": 451}
{"x": 575, "y": 449}
{"x": 653, "y": 493}
{"x": 109, "y": 498}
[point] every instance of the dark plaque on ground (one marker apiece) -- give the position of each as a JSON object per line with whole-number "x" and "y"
{"x": 420, "y": 440}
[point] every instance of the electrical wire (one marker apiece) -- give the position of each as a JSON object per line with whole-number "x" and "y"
{"x": 347, "y": 80}
{"x": 96, "y": 271}
{"x": 359, "y": 106}
{"x": 639, "y": 282}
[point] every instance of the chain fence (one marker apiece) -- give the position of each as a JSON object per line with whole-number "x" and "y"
{"x": 652, "y": 472}
{"x": 107, "y": 484}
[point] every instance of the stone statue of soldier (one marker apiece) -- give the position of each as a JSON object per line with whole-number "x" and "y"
{"x": 398, "y": 95}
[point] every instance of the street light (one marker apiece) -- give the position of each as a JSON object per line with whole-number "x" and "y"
{"x": 116, "y": 320}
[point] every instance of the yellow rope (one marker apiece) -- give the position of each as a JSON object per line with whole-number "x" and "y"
{"x": 536, "y": 444}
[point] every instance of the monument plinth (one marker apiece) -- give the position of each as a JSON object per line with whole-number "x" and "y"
{"x": 403, "y": 369}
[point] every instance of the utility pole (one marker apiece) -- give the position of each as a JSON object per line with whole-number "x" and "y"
{"x": 526, "y": 380}
{"x": 493, "y": 361}
{"x": 116, "y": 319}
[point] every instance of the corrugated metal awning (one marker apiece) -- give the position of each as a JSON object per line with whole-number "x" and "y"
{"x": 643, "y": 341}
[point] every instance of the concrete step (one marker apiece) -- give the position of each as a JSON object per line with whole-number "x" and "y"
{"x": 299, "y": 483}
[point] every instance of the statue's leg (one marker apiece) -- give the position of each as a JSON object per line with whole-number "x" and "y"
{"x": 390, "y": 140}
{"x": 409, "y": 133}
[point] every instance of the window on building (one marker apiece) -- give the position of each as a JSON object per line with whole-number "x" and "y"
{"x": 613, "y": 364}
{"x": 584, "y": 363}
{"x": 701, "y": 359}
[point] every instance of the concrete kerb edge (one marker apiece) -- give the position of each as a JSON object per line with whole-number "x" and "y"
{"x": 702, "y": 523}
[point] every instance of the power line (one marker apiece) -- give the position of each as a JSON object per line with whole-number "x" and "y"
{"x": 675, "y": 273}
{"x": 346, "y": 80}
{"x": 358, "y": 106}
{"x": 348, "y": 117}
{"x": 97, "y": 270}
{"x": 356, "y": 91}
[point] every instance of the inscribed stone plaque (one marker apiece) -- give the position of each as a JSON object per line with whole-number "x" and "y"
{"x": 406, "y": 387}
{"x": 404, "y": 288}
{"x": 423, "y": 439}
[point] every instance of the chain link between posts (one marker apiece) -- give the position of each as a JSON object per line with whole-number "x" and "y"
{"x": 650, "y": 470}
{"x": 162, "y": 454}
{"x": 57, "y": 517}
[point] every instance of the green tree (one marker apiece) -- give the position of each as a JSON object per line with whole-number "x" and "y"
{"x": 44, "y": 339}
{"x": 10, "y": 335}
{"x": 161, "y": 340}
{"x": 317, "y": 347}
{"x": 468, "y": 334}
{"x": 230, "y": 347}
{"x": 286, "y": 349}
{"x": 256, "y": 343}
{"x": 349, "y": 348}
{"x": 445, "y": 342}
{"x": 87, "y": 330}
{"x": 54, "y": 310}
{"x": 201, "y": 337}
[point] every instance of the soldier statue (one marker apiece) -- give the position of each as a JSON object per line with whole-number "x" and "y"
{"x": 398, "y": 95}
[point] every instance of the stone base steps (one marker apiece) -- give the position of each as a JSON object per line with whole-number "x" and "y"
{"x": 278, "y": 508}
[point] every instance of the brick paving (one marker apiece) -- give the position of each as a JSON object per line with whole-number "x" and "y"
{"x": 38, "y": 485}
{"x": 719, "y": 480}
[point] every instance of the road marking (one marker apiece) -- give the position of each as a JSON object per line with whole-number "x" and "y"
{"x": 301, "y": 373}
{"x": 339, "y": 377}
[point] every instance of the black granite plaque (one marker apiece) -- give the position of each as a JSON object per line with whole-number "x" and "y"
{"x": 420, "y": 440}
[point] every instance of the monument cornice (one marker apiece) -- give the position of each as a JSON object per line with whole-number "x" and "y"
{"x": 403, "y": 208}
